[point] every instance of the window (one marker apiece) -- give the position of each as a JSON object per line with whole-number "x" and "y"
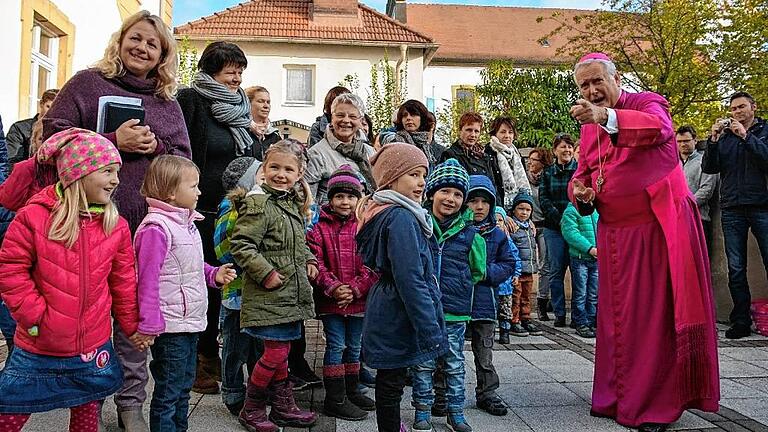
{"x": 464, "y": 98}
{"x": 44, "y": 59}
{"x": 299, "y": 84}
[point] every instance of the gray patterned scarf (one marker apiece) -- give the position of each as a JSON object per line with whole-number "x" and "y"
{"x": 232, "y": 109}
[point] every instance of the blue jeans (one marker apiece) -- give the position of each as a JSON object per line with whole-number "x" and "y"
{"x": 342, "y": 339}
{"x": 453, "y": 364}
{"x": 238, "y": 349}
{"x": 7, "y": 326}
{"x": 736, "y": 225}
{"x": 584, "y": 296}
{"x": 557, "y": 260}
{"x": 174, "y": 357}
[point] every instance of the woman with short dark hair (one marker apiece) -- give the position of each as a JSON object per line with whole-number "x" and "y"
{"x": 503, "y": 133}
{"x": 413, "y": 125}
{"x": 218, "y": 117}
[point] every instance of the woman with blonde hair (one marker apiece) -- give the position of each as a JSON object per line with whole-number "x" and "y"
{"x": 262, "y": 131}
{"x": 139, "y": 62}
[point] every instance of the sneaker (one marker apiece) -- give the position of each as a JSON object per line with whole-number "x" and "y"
{"x": 422, "y": 422}
{"x": 235, "y": 408}
{"x": 518, "y": 330}
{"x": 531, "y": 328}
{"x": 367, "y": 378}
{"x": 738, "y": 331}
{"x": 308, "y": 376}
{"x": 560, "y": 321}
{"x": 503, "y": 336}
{"x": 585, "y": 332}
{"x": 493, "y": 405}
{"x": 298, "y": 383}
{"x": 457, "y": 423}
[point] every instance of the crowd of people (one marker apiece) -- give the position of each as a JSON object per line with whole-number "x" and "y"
{"x": 203, "y": 220}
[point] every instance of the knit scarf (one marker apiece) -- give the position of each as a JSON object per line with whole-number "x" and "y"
{"x": 485, "y": 226}
{"x": 522, "y": 224}
{"x": 384, "y": 199}
{"x": 355, "y": 151}
{"x": 419, "y": 139}
{"x": 232, "y": 109}
{"x": 477, "y": 150}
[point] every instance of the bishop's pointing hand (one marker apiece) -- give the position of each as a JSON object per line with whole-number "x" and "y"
{"x": 585, "y": 112}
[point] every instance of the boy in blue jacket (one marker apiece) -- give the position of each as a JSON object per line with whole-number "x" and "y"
{"x": 502, "y": 263}
{"x": 458, "y": 252}
{"x": 580, "y": 234}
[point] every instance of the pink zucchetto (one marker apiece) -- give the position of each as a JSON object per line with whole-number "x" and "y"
{"x": 595, "y": 56}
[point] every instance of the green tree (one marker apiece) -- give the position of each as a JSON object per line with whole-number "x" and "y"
{"x": 187, "y": 61}
{"x": 666, "y": 46}
{"x": 388, "y": 90}
{"x": 538, "y": 99}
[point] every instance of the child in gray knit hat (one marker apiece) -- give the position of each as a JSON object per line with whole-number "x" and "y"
{"x": 242, "y": 176}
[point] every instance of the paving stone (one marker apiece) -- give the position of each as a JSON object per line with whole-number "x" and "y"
{"x": 565, "y": 418}
{"x": 736, "y": 389}
{"x": 538, "y": 395}
{"x": 690, "y": 421}
{"x": 745, "y": 354}
{"x": 740, "y": 369}
{"x": 582, "y": 390}
{"x": 755, "y": 384}
{"x": 756, "y": 409}
{"x": 569, "y": 373}
{"x": 548, "y": 358}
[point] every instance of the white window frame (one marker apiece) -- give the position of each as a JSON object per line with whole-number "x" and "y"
{"x": 312, "y": 70}
{"x": 40, "y": 60}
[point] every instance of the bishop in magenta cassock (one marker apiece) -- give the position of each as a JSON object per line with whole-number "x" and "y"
{"x": 656, "y": 349}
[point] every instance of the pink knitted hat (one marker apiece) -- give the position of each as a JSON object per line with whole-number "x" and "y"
{"x": 595, "y": 56}
{"x": 394, "y": 160}
{"x": 77, "y": 153}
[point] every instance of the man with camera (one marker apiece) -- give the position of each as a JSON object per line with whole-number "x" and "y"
{"x": 737, "y": 149}
{"x": 702, "y": 186}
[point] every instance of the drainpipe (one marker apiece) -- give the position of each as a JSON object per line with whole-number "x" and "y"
{"x": 403, "y": 59}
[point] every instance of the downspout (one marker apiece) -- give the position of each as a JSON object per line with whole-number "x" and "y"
{"x": 403, "y": 59}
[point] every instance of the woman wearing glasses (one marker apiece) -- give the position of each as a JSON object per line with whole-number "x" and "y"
{"x": 342, "y": 144}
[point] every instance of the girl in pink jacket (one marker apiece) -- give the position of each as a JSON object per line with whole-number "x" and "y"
{"x": 173, "y": 280}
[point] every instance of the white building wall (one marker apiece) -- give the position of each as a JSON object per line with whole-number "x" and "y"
{"x": 94, "y": 23}
{"x": 439, "y": 80}
{"x": 331, "y": 62}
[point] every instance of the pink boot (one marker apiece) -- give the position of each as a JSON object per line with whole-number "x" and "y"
{"x": 254, "y": 413}
{"x": 284, "y": 410}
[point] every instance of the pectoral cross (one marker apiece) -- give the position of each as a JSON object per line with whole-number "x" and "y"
{"x": 600, "y": 181}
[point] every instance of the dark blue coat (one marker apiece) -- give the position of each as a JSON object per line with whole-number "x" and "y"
{"x": 742, "y": 165}
{"x": 501, "y": 262}
{"x": 452, "y": 268}
{"x": 404, "y": 323}
{"x": 525, "y": 241}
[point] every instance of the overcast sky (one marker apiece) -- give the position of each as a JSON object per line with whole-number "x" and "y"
{"x": 188, "y": 10}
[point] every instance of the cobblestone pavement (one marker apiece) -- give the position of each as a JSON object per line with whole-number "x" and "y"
{"x": 546, "y": 380}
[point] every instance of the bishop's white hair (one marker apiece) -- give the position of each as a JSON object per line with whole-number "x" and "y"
{"x": 609, "y": 66}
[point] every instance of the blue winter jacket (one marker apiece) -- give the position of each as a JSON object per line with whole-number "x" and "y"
{"x": 525, "y": 240}
{"x": 404, "y": 323}
{"x": 502, "y": 260}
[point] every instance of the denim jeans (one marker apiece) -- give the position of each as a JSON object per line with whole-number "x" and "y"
{"x": 7, "y": 326}
{"x": 453, "y": 362}
{"x": 584, "y": 296}
{"x": 342, "y": 339}
{"x": 238, "y": 349}
{"x": 736, "y": 225}
{"x": 557, "y": 262}
{"x": 174, "y": 357}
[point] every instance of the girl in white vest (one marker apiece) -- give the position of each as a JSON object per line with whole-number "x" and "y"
{"x": 172, "y": 285}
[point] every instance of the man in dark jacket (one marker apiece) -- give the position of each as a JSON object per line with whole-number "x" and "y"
{"x": 738, "y": 151}
{"x": 17, "y": 141}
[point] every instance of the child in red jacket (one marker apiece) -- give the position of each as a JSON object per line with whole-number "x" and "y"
{"x": 67, "y": 267}
{"x": 341, "y": 288}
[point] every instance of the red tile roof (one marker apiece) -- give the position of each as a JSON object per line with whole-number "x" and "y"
{"x": 291, "y": 20}
{"x": 477, "y": 34}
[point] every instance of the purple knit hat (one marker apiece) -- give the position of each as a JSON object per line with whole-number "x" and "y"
{"x": 77, "y": 153}
{"x": 345, "y": 180}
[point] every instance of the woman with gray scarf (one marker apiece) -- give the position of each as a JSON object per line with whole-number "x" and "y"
{"x": 218, "y": 114}
{"x": 414, "y": 126}
{"x": 343, "y": 144}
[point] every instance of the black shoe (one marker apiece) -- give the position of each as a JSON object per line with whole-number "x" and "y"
{"x": 493, "y": 405}
{"x": 518, "y": 330}
{"x": 572, "y": 325}
{"x": 738, "y": 331}
{"x": 503, "y": 336}
{"x": 439, "y": 409}
{"x": 308, "y": 376}
{"x": 560, "y": 321}
{"x": 541, "y": 306}
{"x": 549, "y": 306}
{"x": 235, "y": 408}
{"x": 531, "y": 328}
{"x": 367, "y": 378}
{"x": 585, "y": 332}
{"x": 653, "y": 427}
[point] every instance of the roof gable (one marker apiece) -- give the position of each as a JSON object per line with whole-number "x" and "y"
{"x": 292, "y": 20}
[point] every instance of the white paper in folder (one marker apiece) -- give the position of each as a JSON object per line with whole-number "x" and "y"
{"x": 117, "y": 99}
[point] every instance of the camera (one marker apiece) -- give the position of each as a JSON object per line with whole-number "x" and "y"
{"x": 724, "y": 124}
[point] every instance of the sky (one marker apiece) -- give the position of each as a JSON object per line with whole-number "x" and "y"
{"x": 188, "y": 10}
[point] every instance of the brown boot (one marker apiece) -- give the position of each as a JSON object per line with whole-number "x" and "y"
{"x": 253, "y": 416}
{"x": 204, "y": 383}
{"x": 284, "y": 410}
{"x": 212, "y": 366}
